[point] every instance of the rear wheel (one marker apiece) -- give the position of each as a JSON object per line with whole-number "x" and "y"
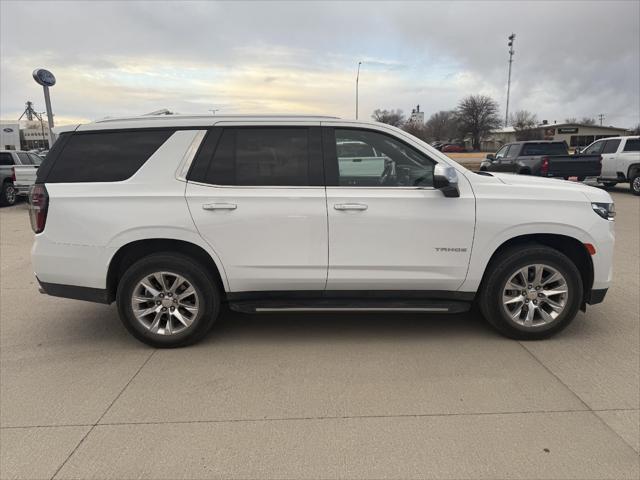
{"x": 634, "y": 184}
{"x": 531, "y": 292}
{"x": 8, "y": 194}
{"x": 167, "y": 300}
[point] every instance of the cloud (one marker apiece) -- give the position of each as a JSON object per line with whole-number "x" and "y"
{"x": 121, "y": 58}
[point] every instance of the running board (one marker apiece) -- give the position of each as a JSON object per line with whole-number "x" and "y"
{"x": 345, "y": 305}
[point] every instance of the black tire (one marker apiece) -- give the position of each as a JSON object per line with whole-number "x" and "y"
{"x": 205, "y": 288}
{"x": 525, "y": 172}
{"x": 634, "y": 183}
{"x": 609, "y": 184}
{"x": 501, "y": 269}
{"x": 8, "y": 194}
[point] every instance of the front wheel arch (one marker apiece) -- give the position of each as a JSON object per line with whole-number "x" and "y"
{"x": 569, "y": 246}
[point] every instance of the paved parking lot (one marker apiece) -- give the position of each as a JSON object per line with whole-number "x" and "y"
{"x": 317, "y": 396}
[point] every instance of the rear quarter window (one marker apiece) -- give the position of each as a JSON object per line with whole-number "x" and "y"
{"x": 105, "y": 156}
{"x": 632, "y": 145}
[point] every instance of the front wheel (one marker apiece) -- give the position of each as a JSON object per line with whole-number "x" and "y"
{"x": 531, "y": 292}
{"x": 634, "y": 184}
{"x": 167, "y": 300}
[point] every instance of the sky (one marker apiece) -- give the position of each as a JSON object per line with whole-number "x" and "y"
{"x": 115, "y": 58}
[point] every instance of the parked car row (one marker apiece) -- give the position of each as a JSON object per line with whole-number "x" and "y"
{"x": 449, "y": 147}
{"x": 612, "y": 160}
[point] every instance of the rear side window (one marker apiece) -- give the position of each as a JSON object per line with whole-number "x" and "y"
{"x": 24, "y": 158}
{"x": 632, "y": 145}
{"x": 261, "y": 157}
{"x": 6, "y": 159}
{"x": 611, "y": 146}
{"x": 105, "y": 156}
{"x": 544, "y": 149}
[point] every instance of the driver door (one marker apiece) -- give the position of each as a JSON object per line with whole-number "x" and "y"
{"x": 389, "y": 229}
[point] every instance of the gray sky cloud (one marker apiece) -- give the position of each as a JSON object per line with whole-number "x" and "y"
{"x": 573, "y": 59}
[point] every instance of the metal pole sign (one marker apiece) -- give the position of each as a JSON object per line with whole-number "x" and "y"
{"x": 46, "y": 79}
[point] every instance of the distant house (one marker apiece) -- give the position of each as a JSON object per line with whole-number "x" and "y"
{"x": 575, "y": 134}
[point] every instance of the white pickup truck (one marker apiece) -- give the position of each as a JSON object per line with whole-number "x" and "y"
{"x": 620, "y": 161}
{"x": 18, "y": 172}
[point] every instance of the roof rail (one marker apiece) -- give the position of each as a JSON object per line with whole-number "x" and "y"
{"x": 161, "y": 117}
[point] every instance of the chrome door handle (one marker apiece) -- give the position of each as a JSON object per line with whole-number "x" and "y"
{"x": 350, "y": 206}
{"x": 219, "y": 206}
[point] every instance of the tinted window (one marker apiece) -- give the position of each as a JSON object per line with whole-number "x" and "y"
{"x": 611, "y": 146}
{"x": 544, "y": 149}
{"x": 632, "y": 145}
{"x": 35, "y": 159}
{"x": 502, "y": 152}
{"x": 6, "y": 159}
{"x": 261, "y": 157}
{"x": 105, "y": 156}
{"x": 513, "y": 151}
{"x": 393, "y": 163}
{"x": 594, "y": 148}
{"x": 24, "y": 158}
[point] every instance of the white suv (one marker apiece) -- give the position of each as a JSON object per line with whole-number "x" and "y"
{"x": 172, "y": 216}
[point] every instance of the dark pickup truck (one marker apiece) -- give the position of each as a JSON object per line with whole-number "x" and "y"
{"x": 544, "y": 159}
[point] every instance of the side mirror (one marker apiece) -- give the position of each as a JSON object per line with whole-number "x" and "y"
{"x": 491, "y": 157}
{"x": 445, "y": 179}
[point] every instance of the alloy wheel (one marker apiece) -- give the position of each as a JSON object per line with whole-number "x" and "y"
{"x": 165, "y": 303}
{"x": 535, "y": 295}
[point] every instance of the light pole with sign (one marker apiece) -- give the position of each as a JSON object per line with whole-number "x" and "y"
{"x": 46, "y": 79}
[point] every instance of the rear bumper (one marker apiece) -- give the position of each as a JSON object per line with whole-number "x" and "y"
{"x": 87, "y": 294}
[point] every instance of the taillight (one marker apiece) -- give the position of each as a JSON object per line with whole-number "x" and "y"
{"x": 13, "y": 174}
{"x": 544, "y": 168}
{"x": 38, "y": 206}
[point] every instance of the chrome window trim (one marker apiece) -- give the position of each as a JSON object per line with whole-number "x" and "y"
{"x": 202, "y": 184}
{"x": 189, "y": 155}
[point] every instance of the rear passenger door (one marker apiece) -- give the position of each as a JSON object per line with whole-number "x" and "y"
{"x": 257, "y": 196}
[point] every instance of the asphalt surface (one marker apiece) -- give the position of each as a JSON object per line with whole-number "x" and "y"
{"x": 317, "y": 396}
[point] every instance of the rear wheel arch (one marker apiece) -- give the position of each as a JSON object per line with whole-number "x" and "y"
{"x": 133, "y": 251}
{"x": 633, "y": 170}
{"x": 571, "y": 247}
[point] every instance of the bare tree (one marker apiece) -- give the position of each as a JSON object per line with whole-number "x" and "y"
{"x": 635, "y": 130}
{"x": 391, "y": 117}
{"x": 417, "y": 129}
{"x": 442, "y": 125}
{"x": 477, "y": 116}
{"x": 571, "y": 120}
{"x": 587, "y": 121}
{"x": 524, "y": 123}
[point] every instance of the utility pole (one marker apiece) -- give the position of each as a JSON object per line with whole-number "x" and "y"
{"x": 601, "y": 117}
{"x": 512, "y": 38}
{"x": 357, "y": 81}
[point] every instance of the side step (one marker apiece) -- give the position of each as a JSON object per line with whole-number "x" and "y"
{"x": 346, "y": 305}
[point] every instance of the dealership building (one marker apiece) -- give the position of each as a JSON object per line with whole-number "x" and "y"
{"x": 575, "y": 134}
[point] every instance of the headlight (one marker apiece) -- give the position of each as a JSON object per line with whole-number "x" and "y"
{"x": 605, "y": 210}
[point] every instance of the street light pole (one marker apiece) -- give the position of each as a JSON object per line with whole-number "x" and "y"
{"x": 357, "y": 81}
{"x": 512, "y": 38}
